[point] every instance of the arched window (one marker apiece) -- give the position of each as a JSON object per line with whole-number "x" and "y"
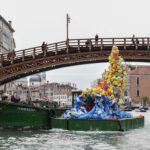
{"x": 137, "y": 92}
{"x": 137, "y": 80}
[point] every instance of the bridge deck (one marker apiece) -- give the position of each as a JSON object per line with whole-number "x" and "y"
{"x": 17, "y": 64}
{"x": 74, "y": 46}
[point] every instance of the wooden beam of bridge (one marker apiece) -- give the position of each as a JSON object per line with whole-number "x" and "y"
{"x": 22, "y": 63}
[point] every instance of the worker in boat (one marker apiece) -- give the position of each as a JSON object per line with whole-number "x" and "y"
{"x": 12, "y": 98}
{"x": 5, "y": 98}
{"x": 15, "y": 98}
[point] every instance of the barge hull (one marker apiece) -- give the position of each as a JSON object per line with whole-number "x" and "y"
{"x": 19, "y": 116}
{"x": 97, "y": 125}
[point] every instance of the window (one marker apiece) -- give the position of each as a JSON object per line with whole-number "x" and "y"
{"x": 137, "y": 93}
{"x": 125, "y": 93}
{"x": 137, "y": 81}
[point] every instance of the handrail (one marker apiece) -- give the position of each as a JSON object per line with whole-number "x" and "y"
{"x": 62, "y": 47}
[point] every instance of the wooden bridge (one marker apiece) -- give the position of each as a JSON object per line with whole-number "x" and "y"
{"x": 18, "y": 64}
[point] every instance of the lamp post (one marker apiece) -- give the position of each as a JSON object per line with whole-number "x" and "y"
{"x": 67, "y": 30}
{"x": 67, "y": 23}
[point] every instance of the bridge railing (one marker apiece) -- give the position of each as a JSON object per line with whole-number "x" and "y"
{"x": 111, "y": 41}
{"x": 75, "y": 45}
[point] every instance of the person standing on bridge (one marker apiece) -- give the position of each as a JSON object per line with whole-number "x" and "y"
{"x": 87, "y": 43}
{"x": 96, "y": 40}
{"x": 143, "y": 42}
{"x": 44, "y": 48}
{"x": 133, "y": 39}
{"x": 137, "y": 42}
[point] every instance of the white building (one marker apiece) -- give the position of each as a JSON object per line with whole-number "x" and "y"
{"x": 7, "y": 42}
{"x": 23, "y": 82}
{"x": 61, "y": 93}
{"x": 37, "y": 80}
{"x": 63, "y": 98}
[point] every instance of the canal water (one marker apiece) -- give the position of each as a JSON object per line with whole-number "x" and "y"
{"x": 137, "y": 139}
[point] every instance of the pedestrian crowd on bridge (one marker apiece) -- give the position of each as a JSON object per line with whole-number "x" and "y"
{"x": 89, "y": 44}
{"x": 136, "y": 42}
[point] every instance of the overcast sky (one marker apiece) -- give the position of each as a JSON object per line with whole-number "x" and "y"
{"x": 36, "y": 21}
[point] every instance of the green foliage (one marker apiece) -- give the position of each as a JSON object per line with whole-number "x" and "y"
{"x": 145, "y": 98}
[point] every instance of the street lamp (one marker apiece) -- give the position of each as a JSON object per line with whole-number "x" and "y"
{"x": 67, "y": 34}
{"x": 67, "y": 23}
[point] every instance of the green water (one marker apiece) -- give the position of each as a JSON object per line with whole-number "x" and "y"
{"x": 137, "y": 139}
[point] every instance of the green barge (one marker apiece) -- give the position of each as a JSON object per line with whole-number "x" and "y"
{"x": 98, "y": 125}
{"x": 23, "y": 116}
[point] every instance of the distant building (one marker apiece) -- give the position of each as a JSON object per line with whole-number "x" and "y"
{"x": 138, "y": 85}
{"x": 35, "y": 93}
{"x": 23, "y": 82}
{"x": 37, "y": 80}
{"x": 21, "y": 92}
{"x": 94, "y": 83}
{"x": 61, "y": 93}
{"x": 7, "y": 42}
{"x": 63, "y": 98}
{"x": 13, "y": 88}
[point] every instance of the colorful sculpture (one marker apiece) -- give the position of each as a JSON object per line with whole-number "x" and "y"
{"x": 103, "y": 100}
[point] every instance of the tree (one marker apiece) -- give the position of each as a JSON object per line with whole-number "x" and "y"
{"x": 145, "y": 99}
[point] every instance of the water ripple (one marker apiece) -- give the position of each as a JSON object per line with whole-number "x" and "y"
{"x": 137, "y": 139}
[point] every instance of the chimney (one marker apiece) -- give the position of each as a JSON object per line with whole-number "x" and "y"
{"x": 10, "y": 23}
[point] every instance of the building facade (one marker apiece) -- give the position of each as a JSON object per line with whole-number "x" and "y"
{"x": 22, "y": 82}
{"x": 37, "y": 80}
{"x": 7, "y": 42}
{"x": 58, "y": 92}
{"x": 34, "y": 93}
{"x": 138, "y": 85}
{"x": 63, "y": 98}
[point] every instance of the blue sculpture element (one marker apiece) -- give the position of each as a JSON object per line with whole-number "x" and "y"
{"x": 101, "y": 109}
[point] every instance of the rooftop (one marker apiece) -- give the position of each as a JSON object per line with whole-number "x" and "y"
{"x": 140, "y": 70}
{"x": 7, "y": 23}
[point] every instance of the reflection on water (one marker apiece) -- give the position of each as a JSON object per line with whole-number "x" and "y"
{"x": 77, "y": 140}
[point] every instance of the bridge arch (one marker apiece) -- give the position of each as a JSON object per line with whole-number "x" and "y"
{"x": 26, "y": 62}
